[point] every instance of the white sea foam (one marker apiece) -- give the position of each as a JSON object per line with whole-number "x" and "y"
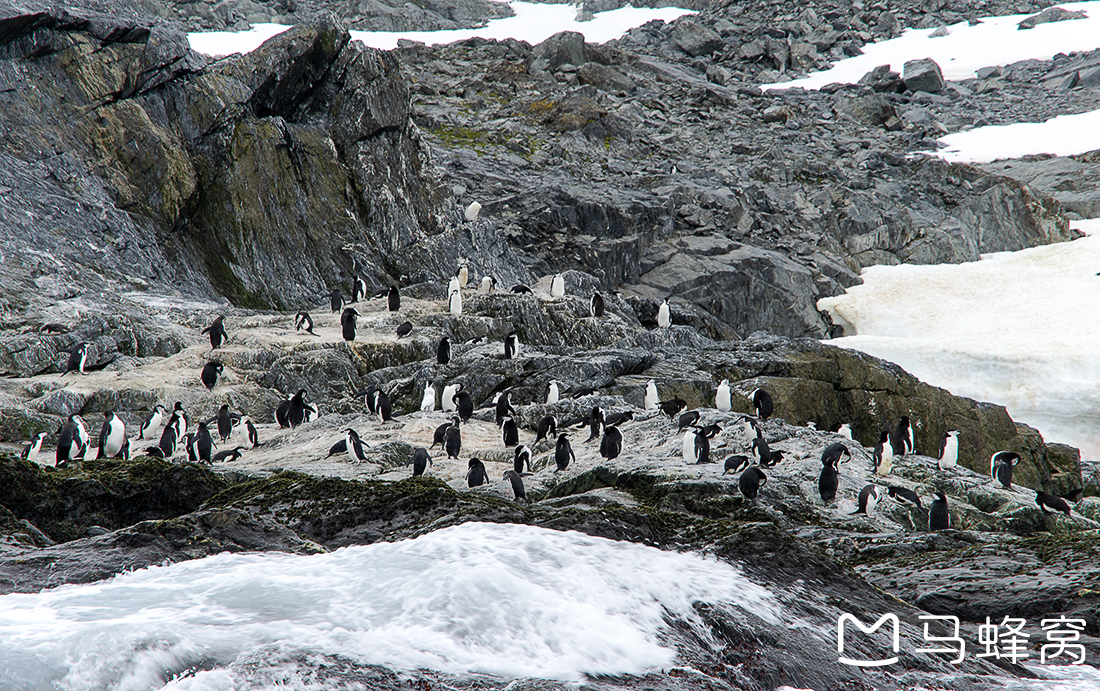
{"x": 506, "y": 600}
{"x": 1016, "y": 328}
{"x": 533, "y": 22}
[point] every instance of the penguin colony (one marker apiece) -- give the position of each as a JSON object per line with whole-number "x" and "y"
{"x": 177, "y": 436}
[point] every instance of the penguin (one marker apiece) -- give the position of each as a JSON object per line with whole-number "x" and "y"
{"x": 472, "y": 211}
{"x": 883, "y": 457}
{"x": 949, "y": 450}
{"x": 845, "y": 430}
{"x": 153, "y": 422}
{"x": 225, "y": 423}
{"x": 751, "y": 427}
{"x": 179, "y": 420}
{"x": 441, "y": 431}
{"x": 548, "y": 426}
{"x": 454, "y": 304}
{"x": 664, "y": 315}
{"x": 939, "y": 518}
{"x": 487, "y": 285}
{"x": 404, "y": 329}
{"x": 672, "y": 407}
{"x": 217, "y": 333}
{"x": 650, "y": 395}
{"x": 702, "y": 448}
{"x": 476, "y": 476}
{"x": 504, "y": 407}
{"x": 30, "y": 451}
{"x": 168, "y": 440}
{"x": 616, "y": 419}
{"x": 82, "y": 433}
{"x": 78, "y": 357}
{"x": 868, "y": 498}
{"x": 354, "y": 446}
{"x": 517, "y": 486}
{"x": 358, "y": 289}
{"x": 750, "y": 481}
{"x": 281, "y": 412}
{"x": 452, "y": 441}
{"x": 833, "y": 453}
{"x": 383, "y": 407}
{"x": 723, "y": 401}
{"x": 557, "y": 286}
{"x": 1000, "y": 467}
{"x": 250, "y": 429}
{"x": 596, "y": 305}
{"x": 154, "y": 452}
{"x": 443, "y": 351}
{"x": 339, "y": 447}
{"x": 595, "y": 423}
{"x": 520, "y": 289}
{"x": 688, "y": 450}
{"x": 296, "y": 413}
{"x": 347, "y": 323}
{"x": 420, "y": 461}
{"x": 209, "y": 374}
{"x": 464, "y": 405}
{"x": 54, "y": 328}
{"x": 304, "y": 322}
{"x": 427, "y": 404}
{"x": 447, "y": 402}
{"x": 463, "y": 273}
{"x": 511, "y": 346}
{"x": 553, "y": 393}
{"x": 687, "y": 420}
{"x": 124, "y": 450}
{"x": 764, "y": 455}
{"x": 522, "y": 457}
{"x": 228, "y": 456}
{"x": 453, "y": 285}
{"x": 203, "y": 443}
{"x": 308, "y": 412}
{"x": 336, "y": 300}
{"x": 192, "y": 450}
{"x": 828, "y": 481}
{"x": 612, "y": 443}
{"x": 370, "y": 398}
{"x": 904, "y": 496}
{"x": 563, "y": 453}
{"x": 762, "y": 403}
{"x": 735, "y": 463}
{"x": 509, "y": 432}
{"x": 69, "y": 446}
{"x": 393, "y": 299}
{"x": 111, "y": 435}
{"x": 903, "y": 437}
{"x": 1049, "y": 501}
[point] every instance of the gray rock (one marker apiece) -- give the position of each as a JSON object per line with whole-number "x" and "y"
{"x": 694, "y": 38}
{"x": 604, "y": 77}
{"x": 883, "y": 79}
{"x": 562, "y": 48}
{"x": 923, "y": 75}
{"x": 1051, "y": 14}
{"x": 872, "y": 110}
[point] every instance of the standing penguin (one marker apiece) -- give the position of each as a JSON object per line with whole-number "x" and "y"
{"x": 354, "y": 446}
{"x": 884, "y": 455}
{"x": 153, "y": 422}
{"x": 476, "y": 476}
{"x": 487, "y": 285}
{"x": 557, "y": 286}
{"x": 702, "y": 448}
{"x": 383, "y": 407}
{"x": 358, "y": 289}
{"x": 650, "y": 399}
{"x": 517, "y": 485}
{"x": 169, "y": 437}
{"x": 939, "y": 518}
{"x": 336, "y": 300}
{"x": 563, "y": 453}
{"x": 78, "y": 357}
{"x": 521, "y": 458}
{"x": 393, "y": 299}
{"x": 828, "y": 481}
{"x": 463, "y": 273}
{"x": 509, "y": 432}
{"x": 762, "y": 402}
{"x": 225, "y": 423}
{"x": 596, "y": 305}
{"x": 511, "y": 346}
{"x": 447, "y": 400}
{"x": 111, "y": 435}
{"x": 688, "y": 447}
{"x": 296, "y": 412}
{"x": 464, "y": 405}
{"x": 750, "y": 481}
{"x": 427, "y": 403}
{"x": 472, "y": 211}
{"x": 30, "y": 451}
{"x": 203, "y": 443}
{"x": 420, "y": 461}
{"x": 903, "y": 437}
{"x": 949, "y": 450}
{"x": 452, "y": 442}
{"x": 845, "y": 430}
{"x": 347, "y": 323}
{"x": 868, "y": 499}
{"x": 209, "y": 374}
{"x": 250, "y": 430}
{"x": 503, "y": 407}
{"x": 454, "y": 305}
{"x": 722, "y": 399}
{"x": 69, "y": 446}
{"x": 553, "y": 393}
{"x": 217, "y": 333}
{"x": 443, "y": 351}
{"x": 612, "y": 443}
{"x": 664, "y": 315}
{"x": 1000, "y": 467}
{"x": 547, "y": 427}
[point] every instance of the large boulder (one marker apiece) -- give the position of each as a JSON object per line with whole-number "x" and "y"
{"x": 923, "y": 75}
